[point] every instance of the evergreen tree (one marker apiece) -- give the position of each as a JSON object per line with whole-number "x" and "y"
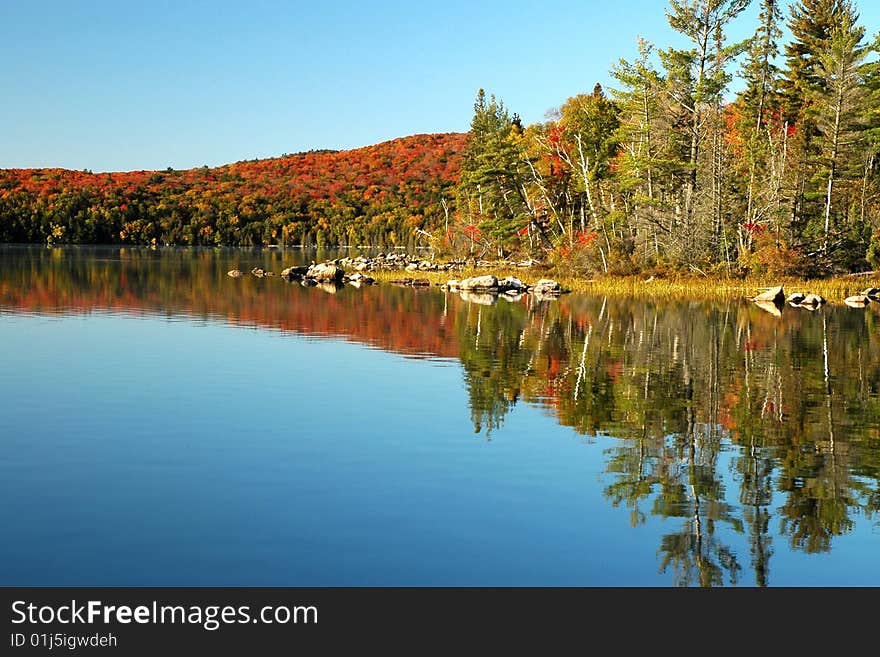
{"x": 696, "y": 80}
{"x": 811, "y": 24}
{"x": 840, "y": 108}
{"x": 489, "y": 190}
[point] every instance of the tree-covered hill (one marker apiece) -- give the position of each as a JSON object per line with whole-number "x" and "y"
{"x": 378, "y": 194}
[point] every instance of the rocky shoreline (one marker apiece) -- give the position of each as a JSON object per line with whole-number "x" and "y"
{"x": 332, "y": 275}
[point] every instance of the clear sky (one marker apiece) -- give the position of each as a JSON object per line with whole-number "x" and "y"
{"x": 120, "y": 85}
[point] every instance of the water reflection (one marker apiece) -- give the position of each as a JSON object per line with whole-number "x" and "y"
{"x": 723, "y": 415}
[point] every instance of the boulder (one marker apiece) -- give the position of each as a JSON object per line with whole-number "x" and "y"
{"x": 359, "y": 279}
{"x": 511, "y": 283}
{"x": 259, "y": 273}
{"x": 452, "y": 284}
{"x": 294, "y": 272}
{"x": 234, "y": 273}
{"x": 871, "y": 292}
{"x": 795, "y": 298}
{"x": 325, "y": 272}
{"x": 813, "y": 300}
{"x": 771, "y": 294}
{"x": 546, "y": 287}
{"x": 857, "y": 301}
{"x": 487, "y": 282}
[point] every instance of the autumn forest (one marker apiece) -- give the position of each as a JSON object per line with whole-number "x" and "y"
{"x": 729, "y": 158}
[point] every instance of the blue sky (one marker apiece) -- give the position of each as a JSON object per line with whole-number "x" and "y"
{"x": 146, "y": 85}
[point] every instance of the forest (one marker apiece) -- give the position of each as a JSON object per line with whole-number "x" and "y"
{"x": 756, "y": 157}
{"x": 376, "y": 195}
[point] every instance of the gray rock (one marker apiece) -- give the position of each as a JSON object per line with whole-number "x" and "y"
{"x": 487, "y": 282}
{"x": 511, "y": 283}
{"x": 294, "y": 272}
{"x": 857, "y": 301}
{"x": 813, "y": 300}
{"x": 771, "y": 294}
{"x": 325, "y": 272}
{"x": 546, "y": 287}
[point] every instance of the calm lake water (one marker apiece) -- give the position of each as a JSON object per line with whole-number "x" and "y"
{"x": 164, "y": 424}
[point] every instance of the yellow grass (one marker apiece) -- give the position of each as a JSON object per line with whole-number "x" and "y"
{"x": 835, "y": 290}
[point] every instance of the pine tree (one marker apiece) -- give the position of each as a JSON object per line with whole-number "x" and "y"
{"x": 490, "y": 190}
{"x": 811, "y": 23}
{"x": 696, "y": 81}
{"x": 840, "y": 107}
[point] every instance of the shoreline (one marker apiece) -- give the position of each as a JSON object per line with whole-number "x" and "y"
{"x": 834, "y": 289}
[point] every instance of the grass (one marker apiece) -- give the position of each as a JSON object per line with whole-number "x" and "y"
{"x": 835, "y": 290}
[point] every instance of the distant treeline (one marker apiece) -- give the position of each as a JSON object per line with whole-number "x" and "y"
{"x": 376, "y": 195}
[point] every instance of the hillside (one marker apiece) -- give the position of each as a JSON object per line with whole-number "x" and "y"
{"x": 377, "y": 194}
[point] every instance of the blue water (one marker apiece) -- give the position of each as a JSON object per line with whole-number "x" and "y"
{"x": 142, "y": 448}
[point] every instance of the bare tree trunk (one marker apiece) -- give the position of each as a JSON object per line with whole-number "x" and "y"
{"x": 835, "y": 145}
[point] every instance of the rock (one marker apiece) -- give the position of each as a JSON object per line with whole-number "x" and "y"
{"x": 546, "y": 287}
{"x": 857, "y": 301}
{"x": 294, "y": 272}
{"x": 487, "y": 282}
{"x": 234, "y": 273}
{"x": 452, "y": 284}
{"x": 772, "y": 294}
{"x": 259, "y": 273}
{"x": 871, "y": 292}
{"x": 421, "y": 282}
{"x": 795, "y": 298}
{"x": 268, "y": 273}
{"x": 813, "y": 300}
{"x": 511, "y": 283}
{"x": 325, "y": 272}
{"x": 411, "y": 266}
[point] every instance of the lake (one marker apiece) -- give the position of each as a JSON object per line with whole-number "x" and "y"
{"x": 165, "y": 424}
